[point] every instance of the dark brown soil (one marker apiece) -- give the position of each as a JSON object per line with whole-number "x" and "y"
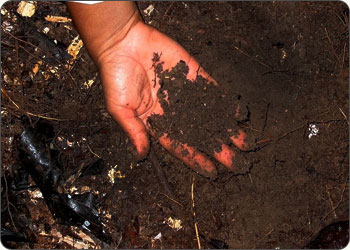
{"x": 288, "y": 63}
{"x": 197, "y": 113}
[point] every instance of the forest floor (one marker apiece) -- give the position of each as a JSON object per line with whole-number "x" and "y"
{"x": 287, "y": 60}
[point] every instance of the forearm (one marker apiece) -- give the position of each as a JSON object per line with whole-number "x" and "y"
{"x": 104, "y": 24}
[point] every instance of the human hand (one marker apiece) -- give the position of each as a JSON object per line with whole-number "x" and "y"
{"x": 130, "y": 88}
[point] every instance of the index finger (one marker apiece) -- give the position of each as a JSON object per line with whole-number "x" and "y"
{"x": 191, "y": 157}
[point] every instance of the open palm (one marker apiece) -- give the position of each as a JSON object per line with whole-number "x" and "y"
{"x": 130, "y": 90}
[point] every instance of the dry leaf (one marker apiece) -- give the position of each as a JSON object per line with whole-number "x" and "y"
{"x": 26, "y": 8}
{"x": 75, "y": 46}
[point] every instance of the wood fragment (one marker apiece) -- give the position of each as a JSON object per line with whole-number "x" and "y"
{"x": 27, "y": 112}
{"x": 26, "y": 8}
{"x": 8, "y": 204}
{"x": 265, "y": 120}
{"x": 346, "y": 118}
{"x": 343, "y": 60}
{"x": 75, "y": 46}
{"x": 172, "y": 200}
{"x": 160, "y": 173}
{"x": 30, "y": 44}
{"x": 277, "y": 138}
{"x": 332, "y": 47}
{"x": 58, "y": 19}
{"x": 92, "y": 152}
{"x": 167, "y": 10}
{"x": 346, "y": 186}
{"x": 331, "y": 203}
{"x": 194, "y": 215}
{"x": 252, "y": 58}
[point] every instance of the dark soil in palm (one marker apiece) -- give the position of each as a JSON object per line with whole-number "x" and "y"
{"x": 196, "y": 113}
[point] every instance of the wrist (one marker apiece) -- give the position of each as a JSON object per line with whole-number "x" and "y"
{"x": 103, "y": 25}
{"x": 113, "y": 38}
{"x": 134, "y": 44}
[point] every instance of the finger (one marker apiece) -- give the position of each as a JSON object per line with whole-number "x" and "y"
{"x": 232, "y": 160}
{"x": 196, "y": 70}
{"x": 134, "y": 128}
{"x": 242, "y": 141}
{"x": 225, "y": 156}
{"x": 194, "y": 159}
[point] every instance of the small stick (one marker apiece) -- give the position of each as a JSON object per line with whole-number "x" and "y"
{"x": 252, "y": 58}
{"x": 17, "y": 66}
{"x": 250, "y": 128}
{"x": 332, "y": 205}
{"x": 194, "y": 215}
{"x": 34, "y": 46}
{"x": 250, "y": 178}
{"x": 5, "y": 93}
{"x": 346, "y": 118}
{"x": 27, "y": 112}
{"x": 340, "y": 200}
{"x": 23, "y": 41}
{"x": 20, "y": 46}
{"x": 8, "y": 202}
{"x": 308, "y": 218}
{"x": 167, "y": 196}
{"x": 281, "y": 136}
{"x": 296, "y": 129}
{"x": 166, "y": 12}
{"x": 92, "y": 152}
{"x": 330, "y": 42}
{"x": 160, "y": 173}
{"x": 265, "y": 121}
{"x": 343, "y": 59}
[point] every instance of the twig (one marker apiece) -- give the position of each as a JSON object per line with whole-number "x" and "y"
{"x": 194, "y": 215}
{"x": 296, "y": 129}
{"x": 92, "y": 152}
{"x": 17, "y": 66}
{"x": 172, "y": 200}
{"x": 330, "y": 42}
{"x": 250, "y": 178}
{"x": 331, "y": 202}
{"x": 250, "y": 128}
{"x": 75, "y": 243}
{"x": 252, "y": 58}
{"x": 23, "y": 41}
{"x": 308, "y": 218}
{"x": 166, "y": 12}
{"x": 346, "y": 118}
{"x": 340, "y": 200}
{"x": 37, "y": 47}
{"x": 281, "y": 136}
{"x": 267, "y": 234}
{"x": 8, "y": 202}
{"x": 162, "y": 177}
{"x": 3, "y": 91}
{"x": 7, "y": 44}
{"x": 265, "y": 121}
{"x": 343, "y": 59}
{"x": 23, "y": 48}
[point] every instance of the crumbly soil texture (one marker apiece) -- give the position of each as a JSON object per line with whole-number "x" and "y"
{"x": 196, "y": 113}
{"x": 286, "y": 63}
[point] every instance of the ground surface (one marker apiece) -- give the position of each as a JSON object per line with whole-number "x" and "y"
{"x": 288, "y": 62}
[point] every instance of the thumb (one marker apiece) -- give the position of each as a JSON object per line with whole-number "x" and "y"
{"x": 134, "y": 128}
